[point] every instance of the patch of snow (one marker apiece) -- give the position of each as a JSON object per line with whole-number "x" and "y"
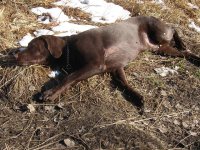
{"x": 43, "y": 32}
{"x": 164, "y": 71}
{"x": 193, "y": 6}
{"x": 22, "y": 49}
{"x": 71, "y": 28}
{"x": 158, "y": 1}
{"x": 25, "y": 40}
{"x": 161, "y": 3}
{"x": 194, "y": 26}
{"x": 101, "y": 11}
{"x": 50, "y": 15}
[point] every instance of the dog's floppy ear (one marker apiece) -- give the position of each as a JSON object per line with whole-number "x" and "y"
{"x": 55, "y": 45}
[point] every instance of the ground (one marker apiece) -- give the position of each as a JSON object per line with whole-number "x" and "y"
{"x": 94, "y": 114}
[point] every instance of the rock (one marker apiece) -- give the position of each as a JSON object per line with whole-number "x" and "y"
{"x": 163, "y": 93}
{"x": 31, "y": 88}
{"x": 31, "y": 108}
{"x": 166, "y": 104}
{"x": 162, "y": 129}
{"x": 185, "y": 125}
{"x": 193, "y": 133}
{"x": 176, "y": 122}
{"x": 69, "y": 143}
{"x": 60, "y": 105}
{"x": 178, "y": 106}
{"x": 49, "y": 108}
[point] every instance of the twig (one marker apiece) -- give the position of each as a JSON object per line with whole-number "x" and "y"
{"x": 5, "y": 122}
{"x": 40, "y": 145}
{"x": 16, "y": 136}
{"x": 31, "y": 137}
{"x": 141, "y": 120}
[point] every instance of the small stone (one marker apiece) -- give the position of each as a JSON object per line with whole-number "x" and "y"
{"x": 82, "y": 129}
{"x": 31, "y": 88}
{"x": 162, "y": 129}
{"x": 185, "y": 125}
{"x": 60, "y": 105}
{"x": 146, "y": 59}
{"x": 69, "y": 143}
{"x": 46, "y": 118}
{"x": 147, "y": 110}
{"x": 49, "y": 108}
{"x": 196, "y": 108}
{"x": 195, "y": 122}
{"x": 176, "y": 122}
{"x": 166, "y": 104}
{"x": 31, "y": 108}
{"x": 163, "y": 93}
{"x": 193, "y": 133}
{"x": 178, "y": 106}
{"x": 136, "y": 74}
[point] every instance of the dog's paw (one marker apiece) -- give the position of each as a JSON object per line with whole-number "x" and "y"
{"x": 49, "y": 95}
{"x": 140, "y": 104}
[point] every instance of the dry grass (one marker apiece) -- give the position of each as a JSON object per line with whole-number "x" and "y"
{"x": 93, "y": 113}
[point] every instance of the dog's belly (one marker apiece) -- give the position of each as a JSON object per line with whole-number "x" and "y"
{"x": 120, "y": 55}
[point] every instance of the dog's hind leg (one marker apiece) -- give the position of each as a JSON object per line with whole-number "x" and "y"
{"x": 133, "y": 96}
{"x": 170, "y": 51}
{"x": 178, "y": 42}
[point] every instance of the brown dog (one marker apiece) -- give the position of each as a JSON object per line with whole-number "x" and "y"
{"x": 105, "y": 49}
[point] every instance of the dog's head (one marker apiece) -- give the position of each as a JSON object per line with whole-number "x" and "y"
{"x": 40, "y": 49}
{"x": 159, "y": 32}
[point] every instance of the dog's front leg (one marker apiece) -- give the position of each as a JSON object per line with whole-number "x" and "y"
{"x": 81, "y": 74}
